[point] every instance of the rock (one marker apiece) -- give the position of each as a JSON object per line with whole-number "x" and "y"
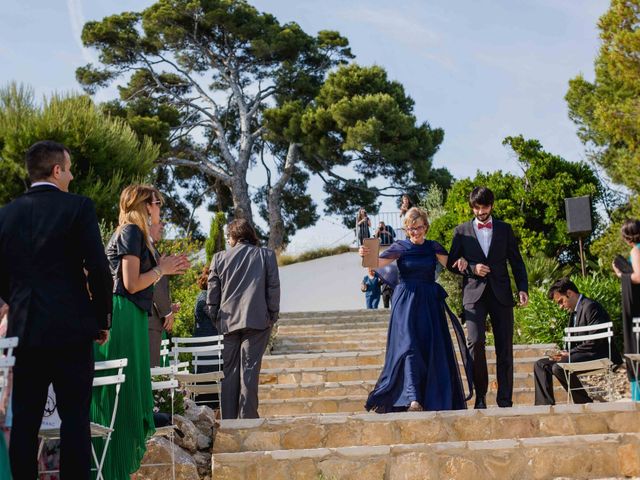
{"x": 203, "y": 460}
{"x": 204, "y": 442}
{"x": 159, "y": 452}
{"x": 202, "y": 417}
{"x": 190, "y": 439}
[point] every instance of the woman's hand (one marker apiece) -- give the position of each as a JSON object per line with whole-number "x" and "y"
{"x": 174, "y": 264}
{"x": 362, "y": 251}
{"x": 461, "y": 264}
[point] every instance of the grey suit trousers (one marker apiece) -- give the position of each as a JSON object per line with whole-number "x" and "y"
{"x": 242, "y": 357}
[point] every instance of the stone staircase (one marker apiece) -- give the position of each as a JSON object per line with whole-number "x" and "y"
{"x": 314, "y": 426}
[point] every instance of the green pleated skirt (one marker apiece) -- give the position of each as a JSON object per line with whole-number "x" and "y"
{"x": 129, "y": 338}
{"x": 5, "y": 468}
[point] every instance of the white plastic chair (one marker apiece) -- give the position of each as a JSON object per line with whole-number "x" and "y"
{"x": 7, "y": 361}
{"x": 165, "y": 346}
{"x": 592, "y": 367}
{"x": 206, "y": 352}
{"x": 635, "y": 357}
{"x": 97, "y": 430}
{"x": 169, "y": 430}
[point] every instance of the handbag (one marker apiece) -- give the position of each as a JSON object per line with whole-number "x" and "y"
{"x": 363, "y": 287}
{"x": 622, "y": 265}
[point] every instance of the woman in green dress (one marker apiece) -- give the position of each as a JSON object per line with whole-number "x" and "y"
{"x": 135, "y": 272}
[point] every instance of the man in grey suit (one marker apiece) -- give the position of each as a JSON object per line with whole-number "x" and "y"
{"x": 243, "y": 299}
{"x": 163, "y": 311}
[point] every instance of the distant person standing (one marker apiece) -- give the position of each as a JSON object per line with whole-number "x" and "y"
{"x": 385, "y": 233}
{"x": 371, "y": 284}
{"x": 55, "y": 278}
{"x": 405, "y": 205}
{"x": 363, "y": 223}
{"x": 163, "y": 310}
{"x": 488, "y": 245}
{"x": 243, "y": 299}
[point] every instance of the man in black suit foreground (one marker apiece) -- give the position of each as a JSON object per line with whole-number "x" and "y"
{"x": 487, "y": 244}
{"x": 584, "y": 311}
{"x": 55, "y": 278}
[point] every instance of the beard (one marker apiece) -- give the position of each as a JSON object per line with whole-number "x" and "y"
{"x": 483, "y": 217}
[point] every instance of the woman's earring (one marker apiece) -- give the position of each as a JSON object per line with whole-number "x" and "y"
{"x": 149, "y": 222}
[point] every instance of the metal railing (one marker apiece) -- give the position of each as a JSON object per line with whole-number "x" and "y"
{"x": 391, "y": 219}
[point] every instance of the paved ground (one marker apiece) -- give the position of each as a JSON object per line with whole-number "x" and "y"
{"x": 329, "y": 283}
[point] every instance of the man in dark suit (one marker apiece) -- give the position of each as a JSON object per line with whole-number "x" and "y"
{"x": 163, "y": 311}
{"x": 480, "y": 250}
{"x": 55, "y": 278}
{"x": 584, "y": 311}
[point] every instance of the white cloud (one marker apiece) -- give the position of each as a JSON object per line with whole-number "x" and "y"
{"x": 77, "y": 20}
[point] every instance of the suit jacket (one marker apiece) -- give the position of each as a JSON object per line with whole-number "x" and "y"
{"x": 590, "y": 312}
{"x": 244, "y": 288}
{"x": 48, "y": 238}
{"x": 503, "y": 249}
{"x": 161, "y": 301}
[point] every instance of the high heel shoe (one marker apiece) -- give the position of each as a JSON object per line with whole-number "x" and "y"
{"x": 415, "y": 407}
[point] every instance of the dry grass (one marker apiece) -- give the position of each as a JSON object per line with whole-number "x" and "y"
{"x": 284, "y": 259}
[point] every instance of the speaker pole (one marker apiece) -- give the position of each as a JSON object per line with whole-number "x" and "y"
{"x": 582, "y": 265}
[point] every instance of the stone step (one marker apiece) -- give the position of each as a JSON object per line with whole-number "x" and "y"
{"x": 356, "y": 387}
{"x": 286, "y": 345}
{"x": 575, "y": 456}
{"x": 362, "y": 313}
{"x": 317, "y": 322}
{"x": 279, "y": 364}
{"x": 355, "y": 403}
{"x": 344, "y": 329}
{"x": 331, "y": 431}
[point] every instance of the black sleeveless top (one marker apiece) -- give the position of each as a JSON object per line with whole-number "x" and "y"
{"x": 130, "y": 241}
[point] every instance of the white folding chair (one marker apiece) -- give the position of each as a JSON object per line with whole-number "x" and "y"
{"x": 163, "y": 378}
{"x": 165, "y": 346}
{"x": 634, "y": 358}
{"x": 206, "y": 352}
{"x": 602, "y": 366}
{"x": 97, "y": 430}
{"x": 7, "y": 361}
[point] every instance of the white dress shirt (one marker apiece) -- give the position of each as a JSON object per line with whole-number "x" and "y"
{"x": 38, "y": 184}
{"x": 484, "y": 235}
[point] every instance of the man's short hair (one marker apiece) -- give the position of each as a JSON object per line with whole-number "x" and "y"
{"x": 42, "y": 157}
{"x": 562, "y": 286}
{"x": 481, "y": 196}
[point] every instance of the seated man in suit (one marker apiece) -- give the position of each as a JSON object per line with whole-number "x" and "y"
{"x": 584, "y": 311}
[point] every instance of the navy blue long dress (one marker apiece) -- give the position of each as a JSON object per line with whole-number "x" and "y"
{"x": 420, "y": 363}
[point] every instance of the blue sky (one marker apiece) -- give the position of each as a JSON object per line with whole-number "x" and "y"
{"x": 480, "y": 70}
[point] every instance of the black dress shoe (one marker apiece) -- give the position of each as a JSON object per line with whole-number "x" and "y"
{"x": 480, "y": 402}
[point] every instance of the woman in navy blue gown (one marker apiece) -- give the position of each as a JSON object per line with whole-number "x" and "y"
{"x": 420, "y": 369}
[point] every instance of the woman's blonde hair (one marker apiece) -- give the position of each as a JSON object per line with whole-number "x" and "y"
{"x": 133, "y": 207}
{"x": 413, "y": 214}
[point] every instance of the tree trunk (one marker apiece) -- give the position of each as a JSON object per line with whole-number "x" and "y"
{"x": 274, "y": 200}
{"x": 241, "y": 198}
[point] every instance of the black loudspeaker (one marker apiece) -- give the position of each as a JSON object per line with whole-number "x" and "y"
{"x": 578, "y": 210}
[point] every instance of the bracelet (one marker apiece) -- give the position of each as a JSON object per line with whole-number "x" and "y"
{"x": 158, "y": 272}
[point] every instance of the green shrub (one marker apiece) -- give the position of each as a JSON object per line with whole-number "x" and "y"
{"x": 543, "y": 322}
{"x": 215, "y": 242}
{"x": 184, "y": 288}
